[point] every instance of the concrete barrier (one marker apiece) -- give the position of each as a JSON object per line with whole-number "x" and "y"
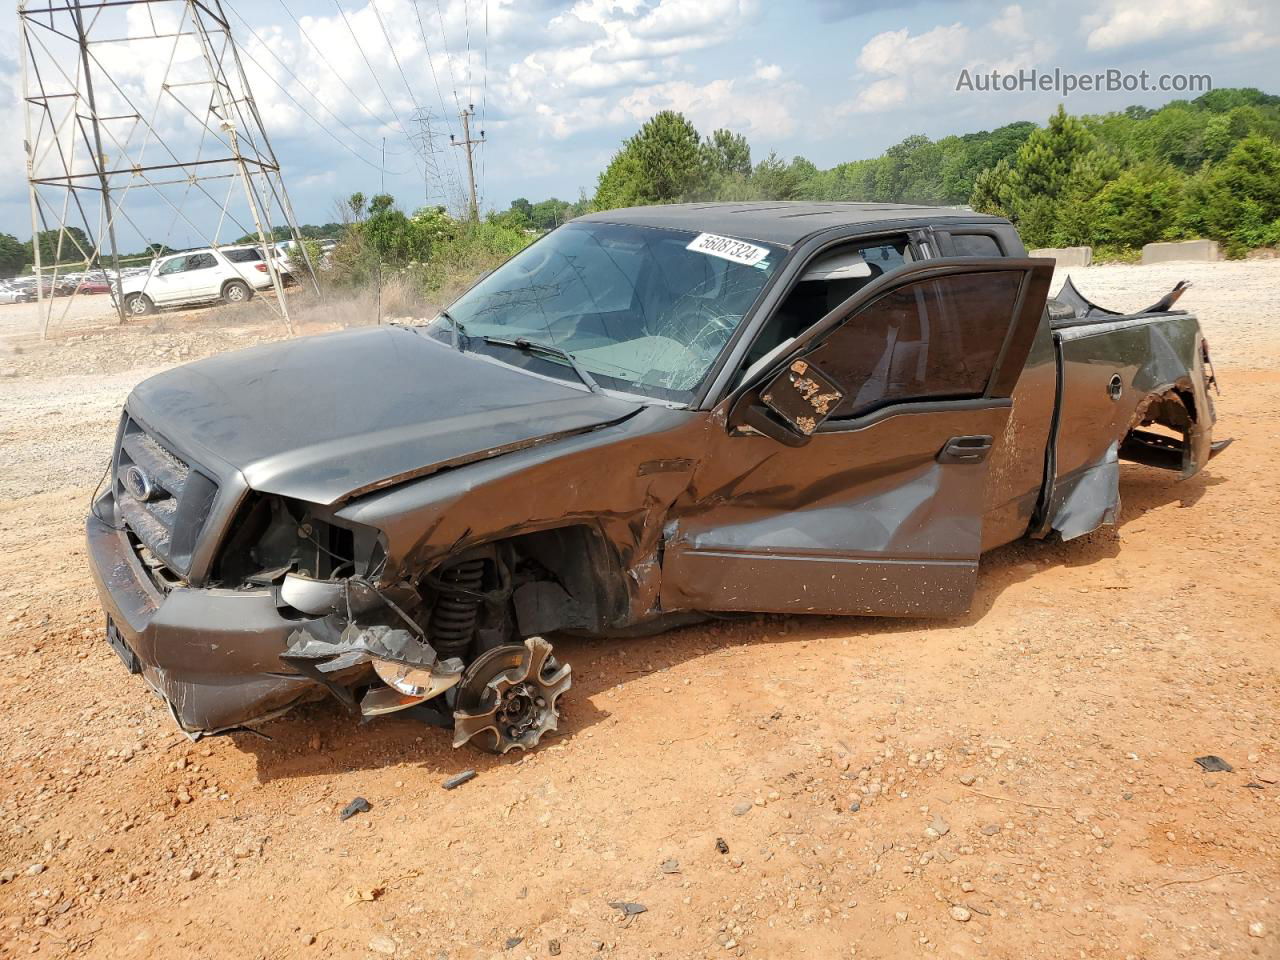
{"x": 1185, "y": 250}
{"x": 1067, "y": 256}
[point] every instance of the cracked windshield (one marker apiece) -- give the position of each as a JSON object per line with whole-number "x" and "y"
{"x": 643, "y": 310}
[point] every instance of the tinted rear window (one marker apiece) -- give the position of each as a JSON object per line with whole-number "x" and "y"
{"x": 975, "y": 245}
{"x": 243, "y": 256}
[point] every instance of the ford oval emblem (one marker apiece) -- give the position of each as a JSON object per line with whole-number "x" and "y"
{"x": 139, "y": 484}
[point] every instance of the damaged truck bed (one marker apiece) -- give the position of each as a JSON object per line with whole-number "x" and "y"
{"x": 646, "y": 417}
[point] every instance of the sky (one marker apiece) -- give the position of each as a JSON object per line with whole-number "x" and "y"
{"x": 557, "y": 85}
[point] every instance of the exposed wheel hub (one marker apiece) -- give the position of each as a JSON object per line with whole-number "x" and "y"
{"x": 507, "y": 697}
{"x": 518, "y": 710}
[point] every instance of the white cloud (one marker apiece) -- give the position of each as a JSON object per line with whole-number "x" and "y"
{"x": 1124, "y": 23}
{"x": 1250, "y": 42}
{"x": 598, "y": 49}
{"x": 768, "y": 71}
{"x": 897, "y": 52}
{"x": 897, "y": 67}
{"x": 757, "y": 107}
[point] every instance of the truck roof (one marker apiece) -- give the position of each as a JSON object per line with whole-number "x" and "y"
{"x": 784, "y": 222}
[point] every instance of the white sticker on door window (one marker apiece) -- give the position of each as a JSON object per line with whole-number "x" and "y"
{"x": 727, "y": 248}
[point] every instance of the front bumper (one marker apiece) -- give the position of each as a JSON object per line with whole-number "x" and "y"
{"x": 212, "y": 654}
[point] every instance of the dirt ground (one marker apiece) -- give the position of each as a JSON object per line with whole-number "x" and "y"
{"x": 1018, "y": 782}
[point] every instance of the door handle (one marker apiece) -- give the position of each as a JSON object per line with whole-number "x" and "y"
{"x": 965, "y": 450}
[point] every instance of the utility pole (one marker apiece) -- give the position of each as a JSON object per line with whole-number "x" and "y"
{"x": 469, "y": 144}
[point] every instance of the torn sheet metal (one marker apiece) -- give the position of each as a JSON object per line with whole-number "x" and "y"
{"x": 408, "y": 666}
{"x": 1091, "y": 498}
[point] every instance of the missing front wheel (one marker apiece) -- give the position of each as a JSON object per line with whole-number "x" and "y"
{"x": 507, "y": 697}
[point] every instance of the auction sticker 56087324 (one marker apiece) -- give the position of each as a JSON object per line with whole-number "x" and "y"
{"x": 727, "y": 248}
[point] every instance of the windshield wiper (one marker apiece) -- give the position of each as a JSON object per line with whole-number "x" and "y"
{"x": 551, "y": 350}
{"x": 459, "y": 331}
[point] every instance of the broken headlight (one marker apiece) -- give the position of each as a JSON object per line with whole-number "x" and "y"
{"x": 272, "y": 536}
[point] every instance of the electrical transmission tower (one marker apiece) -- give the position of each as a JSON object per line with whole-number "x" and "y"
{"x": 140, "y": 110}
{"x": 425, "y": 140}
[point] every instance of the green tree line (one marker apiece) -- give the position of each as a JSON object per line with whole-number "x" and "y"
{"x": 436, "y": 253}
{"x": 1208, "y": 167}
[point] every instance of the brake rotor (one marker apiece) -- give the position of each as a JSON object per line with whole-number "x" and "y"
{"x": 507, "y": 697}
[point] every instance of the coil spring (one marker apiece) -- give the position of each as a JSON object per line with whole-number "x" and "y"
{"x": 453, "y": 620}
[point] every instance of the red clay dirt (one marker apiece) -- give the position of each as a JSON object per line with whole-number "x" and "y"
{"x": 1023, "y": 777}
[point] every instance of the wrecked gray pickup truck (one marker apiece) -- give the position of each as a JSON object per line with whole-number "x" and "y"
{"x": 648, "y": 416}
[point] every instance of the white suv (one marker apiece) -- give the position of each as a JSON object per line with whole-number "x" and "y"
{"x": 229, "y": 274}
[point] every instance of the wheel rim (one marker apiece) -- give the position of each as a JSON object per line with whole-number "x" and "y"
{"x": 235, "y": 293}
{"x": 507, "y": 697}
{"x": 137, "y": 305}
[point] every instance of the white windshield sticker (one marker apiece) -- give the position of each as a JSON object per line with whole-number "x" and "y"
{"x": 728, "y": 248}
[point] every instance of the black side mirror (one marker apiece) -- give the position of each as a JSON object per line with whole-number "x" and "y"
{"x": 791, "y": 406}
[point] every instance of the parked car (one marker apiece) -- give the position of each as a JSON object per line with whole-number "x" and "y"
{"x": 647, "y": 417}
{"x": 46, "y": 285}
{"x": 94, "y": 285}
{"x": 230, "y": 274}
{"x": 16, "y": 293}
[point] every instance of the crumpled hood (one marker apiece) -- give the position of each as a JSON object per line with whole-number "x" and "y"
{"x": 327, "y": 417}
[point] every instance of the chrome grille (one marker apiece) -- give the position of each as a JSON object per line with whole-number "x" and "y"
{"x": 169, "y": 520}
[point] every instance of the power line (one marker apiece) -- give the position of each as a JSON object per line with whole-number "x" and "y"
{"x": 252, "y": 59}
{"x": 367, "y": 63}
{"x": 484, "y": 93}
{"x": 444, "y": 38}
{"x": 311, "y": 116}
{"x": 454, "y": 170}
{"x": 466, "y": 20}
{"x": 373, "y": 5}
{"x": 325, "y": 60}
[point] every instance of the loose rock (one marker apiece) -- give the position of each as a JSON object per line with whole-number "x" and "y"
{"x": 459, "y": 779}
{"x": 960, "y": 914}
{"x": 358, "y": 805}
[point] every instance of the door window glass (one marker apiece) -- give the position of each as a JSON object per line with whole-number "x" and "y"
{"x": 932, "y": 339}
{"x": 830, "y": 279}
{"x": 176, "y": 265}
{"x": 201, "y": 261}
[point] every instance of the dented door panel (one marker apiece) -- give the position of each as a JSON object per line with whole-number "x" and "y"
{"x": 837, "y": 526}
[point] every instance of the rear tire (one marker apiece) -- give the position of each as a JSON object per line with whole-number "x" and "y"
{"x": 138, "y": 305}
{"x": 236, "y": 291}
